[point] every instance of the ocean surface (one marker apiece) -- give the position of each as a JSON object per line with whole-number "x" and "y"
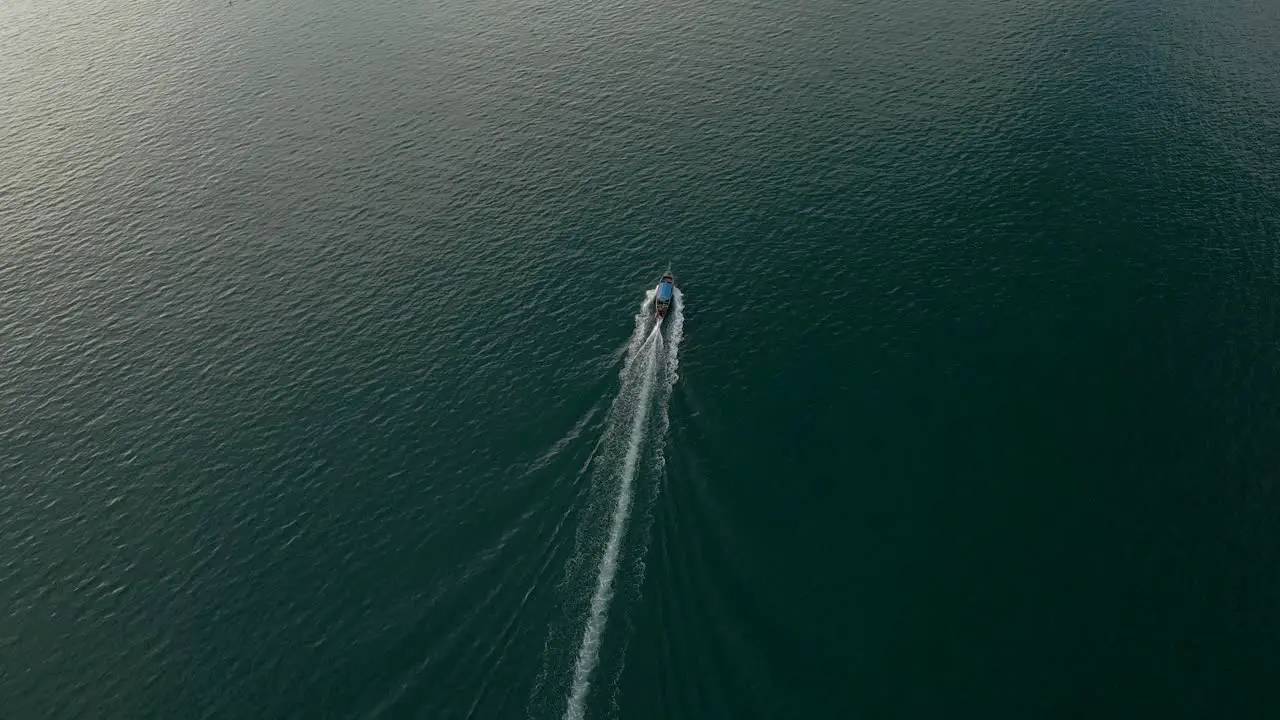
{"x": 330, "y": 385}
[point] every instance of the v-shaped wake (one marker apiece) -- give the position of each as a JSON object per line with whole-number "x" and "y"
{"x": 652, "y": 359}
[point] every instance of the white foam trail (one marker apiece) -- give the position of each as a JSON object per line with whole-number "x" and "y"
{"x": 640, "y": 335}
{"x": 589, "y": 651}
{"x": 674, "y": 335}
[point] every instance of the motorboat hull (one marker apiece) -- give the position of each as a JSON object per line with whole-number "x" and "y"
{"x": 664, "y": 296}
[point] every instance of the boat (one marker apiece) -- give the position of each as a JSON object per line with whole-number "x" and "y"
{"x": 666, "y": 293}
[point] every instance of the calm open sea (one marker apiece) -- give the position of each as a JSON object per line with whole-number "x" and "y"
{"x": 326, "y": 389}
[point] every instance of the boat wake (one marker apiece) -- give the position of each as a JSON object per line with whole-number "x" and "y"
{"x": 589, "y": 653}
{"x": 629, "y": 455}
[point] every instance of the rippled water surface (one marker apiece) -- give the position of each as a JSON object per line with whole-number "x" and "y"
{"x": 317, "y": 398}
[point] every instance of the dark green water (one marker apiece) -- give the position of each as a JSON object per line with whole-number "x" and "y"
{"x": 316, "y": 391}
